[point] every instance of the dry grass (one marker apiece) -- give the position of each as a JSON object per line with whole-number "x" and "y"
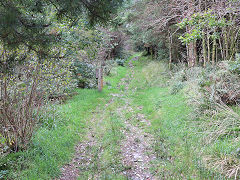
{"x": 225, "y": 164}
{"x": 155, "y": 73}
{"x": 209, "y": 91}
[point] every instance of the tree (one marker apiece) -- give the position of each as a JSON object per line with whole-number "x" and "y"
{"x": 210, "y": 32}
{"x": 27, "y": 24}
{"x": 29, "y": 40}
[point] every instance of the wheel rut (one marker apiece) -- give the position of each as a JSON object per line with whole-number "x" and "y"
{"x": 135, "y": 148}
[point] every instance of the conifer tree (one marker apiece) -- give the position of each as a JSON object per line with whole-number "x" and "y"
{"x": 26, "y": 23}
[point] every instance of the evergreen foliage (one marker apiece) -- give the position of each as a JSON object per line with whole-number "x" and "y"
{"x": 28, "y": 24}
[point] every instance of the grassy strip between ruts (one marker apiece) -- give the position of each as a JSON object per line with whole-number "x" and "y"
{"x": 103, "y": 149}
{"x": 51, "y": 148}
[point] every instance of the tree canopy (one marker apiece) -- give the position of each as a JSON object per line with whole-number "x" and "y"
{"x": 28, "y": 24}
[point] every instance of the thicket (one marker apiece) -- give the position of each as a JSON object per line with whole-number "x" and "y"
{"x": 47, "y": 48}
{"x": 194, "y": 33}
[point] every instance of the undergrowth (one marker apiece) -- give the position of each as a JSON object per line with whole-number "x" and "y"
{"x": 60, "y": 129}
{"x": 196, "y": 137}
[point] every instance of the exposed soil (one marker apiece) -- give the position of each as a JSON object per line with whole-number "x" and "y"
{"x": 137, "y": 153}
{"x": 136, "y": 150}
{"x": 82, "y": 157}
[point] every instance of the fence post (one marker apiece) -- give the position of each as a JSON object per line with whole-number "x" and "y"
{"x": 99, "y": 77}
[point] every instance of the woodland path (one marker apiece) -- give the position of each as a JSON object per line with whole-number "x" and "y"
{"x": 115, "y": 147}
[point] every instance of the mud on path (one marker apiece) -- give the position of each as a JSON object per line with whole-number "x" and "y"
{"x": 135, "y": 148}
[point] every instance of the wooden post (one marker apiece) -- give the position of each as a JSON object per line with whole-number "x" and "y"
{"x": 99, "y": 77}
{"x": 191, "y": 58}
{"x": 170, "y": 48}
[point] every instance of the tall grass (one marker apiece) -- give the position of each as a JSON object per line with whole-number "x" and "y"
{"x": 193, "y": 139}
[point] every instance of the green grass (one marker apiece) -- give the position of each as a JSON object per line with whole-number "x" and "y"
{"x": 169, "y": 118}
{"x": 106, "y": 156}
{"x": 237, "y": 109}
{"x": 178, "y": 135}
{"x": 52, "y": 148}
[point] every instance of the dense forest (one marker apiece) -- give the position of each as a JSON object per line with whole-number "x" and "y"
{"x": 119, "y": 89}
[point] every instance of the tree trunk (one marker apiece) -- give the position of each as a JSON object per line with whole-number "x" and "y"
{"x": 155, "y": 53}
{"x": 170, "y": 49}
{"x": 221, "y": 48}
{"x": 208, "y": 45}
{"x": 226, "y": 44}
{"x": 100, "y": 79}
{"x": 191, "y": 58}
{"x": 204, "y": 49}
{"x": 195, "y": 53}
{"x": 152, "y": 52}
{"x": 214, "y": 49}
{"x": 191, "y": 47}
{"x": 232, "y": 38}
{"x": 232, "y": 47}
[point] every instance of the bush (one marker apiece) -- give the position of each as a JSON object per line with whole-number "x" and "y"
{"x": 23, "y": 92}
{"x": 57, "y": 78}
{"x": 235, "y": 65}
{"x": 163, "y": 52}
{"x": 177, "y": 87}
{"x": 221, "y": 85}
{"x": 120, "y": 62}
{"x": 20, "y": 106}
{"x": 211, "y": 92}
{"x": 108, "y": 66}
{"x": 217, "y": 83}
{"x": 85, "y": 73}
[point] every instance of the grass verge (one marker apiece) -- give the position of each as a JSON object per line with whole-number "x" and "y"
{"x": 52, "y": 147}
{"x": 179, "y": 135}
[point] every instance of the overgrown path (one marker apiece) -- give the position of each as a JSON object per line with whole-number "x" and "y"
{"x": 116, "y": 145}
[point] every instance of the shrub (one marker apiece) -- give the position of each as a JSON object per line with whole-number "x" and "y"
{"x": 211, "y": 92}
{"x": 20, "y": 105}
{"x": 56, "y": 78}
{"x": 24, "y": 91}
{"x": 177, "y": 87}
{"x": 235, "y": 65}
{"x": 120, "y": 62}
{"x": 162, "y": 51}
{"x": 109, "y": 64}
{"x": 221, "y": 85}
{"x": 85, "y": 74}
